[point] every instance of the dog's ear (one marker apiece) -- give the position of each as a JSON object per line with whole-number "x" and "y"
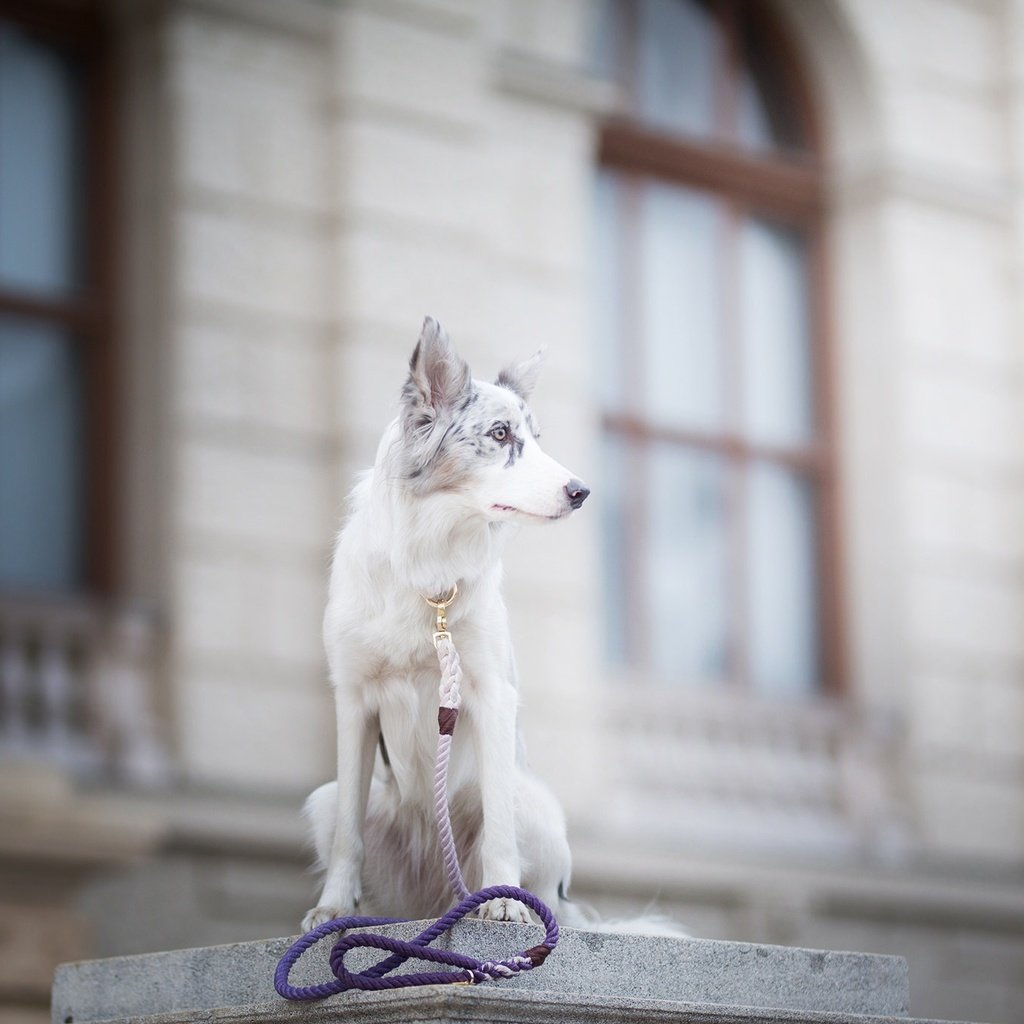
{"x": 438, "y": 377}
{"x": 522, "y": 378}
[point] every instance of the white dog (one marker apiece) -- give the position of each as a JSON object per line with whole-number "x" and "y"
{"x": 454, "y": 472}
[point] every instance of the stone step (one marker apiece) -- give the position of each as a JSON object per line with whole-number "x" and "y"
{"x": 589, "y": 976}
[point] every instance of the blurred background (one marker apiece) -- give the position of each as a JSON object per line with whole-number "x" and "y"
{"x": 774, "y": 669}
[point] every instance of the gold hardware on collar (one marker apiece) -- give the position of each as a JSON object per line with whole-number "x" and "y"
{"x": 441, "y": 607}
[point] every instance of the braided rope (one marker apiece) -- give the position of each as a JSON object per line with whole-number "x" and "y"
{"x": 450, "y": 700}
{"x": 449, "y": 853}
{"x": 449, "y": 691}
{"x": 470, "y": 970}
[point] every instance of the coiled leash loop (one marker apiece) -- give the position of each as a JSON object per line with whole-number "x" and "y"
{"x": 470, "y": 970}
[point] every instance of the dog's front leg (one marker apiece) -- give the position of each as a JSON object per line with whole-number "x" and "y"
{"x": 358, "y": 732}
{"x": 494, "y": 734}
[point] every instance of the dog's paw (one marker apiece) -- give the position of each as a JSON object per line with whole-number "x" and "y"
{"x": 321, "y": 915}
{"x": 503, "y": 910}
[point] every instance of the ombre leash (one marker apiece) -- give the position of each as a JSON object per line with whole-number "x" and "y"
{"x": 468, "y": 969}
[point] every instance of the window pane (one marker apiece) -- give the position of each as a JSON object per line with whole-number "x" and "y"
{"x": 783, "y": 581}
{"x": 686, "y": 564}
{"x": 680, "y": 308}
{"x": 40, "y": 162}
{"x": 614, "y": 488}
{"x": 777, "y": 369}
{"x": 608, "y": 278}
{"x": 755, "y": 126}
{"x": 40, "y": 465}
{"x": 679, "y": 51}
{"x": 606, "y": 37}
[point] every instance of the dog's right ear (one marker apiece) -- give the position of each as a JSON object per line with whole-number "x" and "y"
{"x": 438, "y": 377}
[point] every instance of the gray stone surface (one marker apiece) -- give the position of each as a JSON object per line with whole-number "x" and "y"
{"x": 483, "y": 1005}
{"x": 588, "y": 969}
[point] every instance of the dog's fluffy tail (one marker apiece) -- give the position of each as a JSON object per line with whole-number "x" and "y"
{"x": 318, "y": 810}
{"x": 573, "y": 914}
{"x": 645, "y": 924}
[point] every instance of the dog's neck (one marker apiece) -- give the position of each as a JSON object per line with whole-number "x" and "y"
{"x": 430, "y": 542}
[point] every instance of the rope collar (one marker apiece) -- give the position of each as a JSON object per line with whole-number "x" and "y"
{"x": 469, "y": 970}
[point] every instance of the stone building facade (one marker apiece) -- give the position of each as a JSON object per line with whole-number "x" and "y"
{"x": 298, "y": 184}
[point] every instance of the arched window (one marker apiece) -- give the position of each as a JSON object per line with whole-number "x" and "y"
{"x": 720, "y": 531}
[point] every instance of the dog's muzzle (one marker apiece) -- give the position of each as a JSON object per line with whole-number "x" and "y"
{"x": 576, "y": 491}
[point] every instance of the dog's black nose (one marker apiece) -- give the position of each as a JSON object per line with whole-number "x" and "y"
{"x": 576, "y": 491}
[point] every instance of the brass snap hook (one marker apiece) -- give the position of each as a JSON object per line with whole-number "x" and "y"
{"x": 442, "y": 613}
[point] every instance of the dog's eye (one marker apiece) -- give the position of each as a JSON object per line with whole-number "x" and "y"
{"x": 499, "y": 433}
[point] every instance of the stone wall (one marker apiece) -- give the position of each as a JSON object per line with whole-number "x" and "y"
{"x": 931, "y": 388}
{"x": 251, "y": 432}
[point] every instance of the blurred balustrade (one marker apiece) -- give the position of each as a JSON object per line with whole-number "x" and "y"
{"x": 78, "y": 689}
{"x": 815, "y": 776}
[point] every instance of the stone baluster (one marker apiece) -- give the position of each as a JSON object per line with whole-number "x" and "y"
{"x": 56, "y": 683}
{"x": 14, "y": 690}
{"x": 125, "y": 681}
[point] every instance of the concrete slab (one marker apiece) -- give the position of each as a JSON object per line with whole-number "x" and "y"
{"x": 588, "y": 969}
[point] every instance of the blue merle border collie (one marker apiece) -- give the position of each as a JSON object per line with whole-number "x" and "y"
{"x": 455, "y": 471}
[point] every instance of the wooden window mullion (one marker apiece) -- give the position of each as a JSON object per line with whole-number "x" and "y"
{"x": 784, "y": 186}
{"x": 101, "y": 383}
{"x": 809, "y": 458}
{"x": 74, "y": 314}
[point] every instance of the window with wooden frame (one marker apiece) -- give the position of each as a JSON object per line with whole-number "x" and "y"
{"x": 56, "y": 366}
{"x": 721, "y": 548}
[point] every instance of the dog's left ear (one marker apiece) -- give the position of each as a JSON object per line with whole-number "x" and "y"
{"x": 522, "y": 377}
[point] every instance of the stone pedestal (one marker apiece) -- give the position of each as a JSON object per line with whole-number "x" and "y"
{"x": 590, "y": 976}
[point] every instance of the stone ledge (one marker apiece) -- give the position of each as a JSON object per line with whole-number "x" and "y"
{"x": 590, "y": 975}
{"x": 486, "y": 1005}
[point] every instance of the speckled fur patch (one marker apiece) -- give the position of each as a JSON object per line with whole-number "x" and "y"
{"x": 442, "y": 447}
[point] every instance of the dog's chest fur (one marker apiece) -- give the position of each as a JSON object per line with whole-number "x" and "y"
{"x": 389, "y": 650}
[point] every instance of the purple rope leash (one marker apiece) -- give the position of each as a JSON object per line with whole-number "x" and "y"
{"x": 470, "y": 970}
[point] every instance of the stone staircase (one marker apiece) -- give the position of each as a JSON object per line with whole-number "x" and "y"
{"x": 591, "y": 976}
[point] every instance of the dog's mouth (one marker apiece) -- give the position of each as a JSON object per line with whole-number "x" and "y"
{"x": 531, "y": 515}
